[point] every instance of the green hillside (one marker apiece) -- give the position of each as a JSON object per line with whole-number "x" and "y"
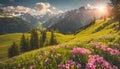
{"x": 8, "y": 39}
{"x": 99, "y": 31}
{"x": 102, "y": 33}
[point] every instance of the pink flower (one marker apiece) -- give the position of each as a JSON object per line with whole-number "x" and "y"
{"x": 78, "y": 66}
{"x": 96, "y": 60}
{"x": 47, "y": 59}
{"x": 59, "y": 55}
{"x": 114, "y": 52}
{"x": 61, "y": 66}
{"x": 31, "y": 67}
{"x": 109, "y": 49}
{"x": 39, "y": 57}
{"x": 19, "y": 65}
{"x": 69, "y": 64}
{"x": 115, "y": 67}
{"x": 106, "y": 64}
{"x": 99, "y": 60}
{"x": 104, "y": 48}
{"x": 52, "y": 49}
{"x": 80, "y": 50}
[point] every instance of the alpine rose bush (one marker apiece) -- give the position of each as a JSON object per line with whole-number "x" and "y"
{"x": 80, "y": 51}
{"x": 70, "y": 64}
{"x": 97, "y": 62}
{"x": 105, "y": 48}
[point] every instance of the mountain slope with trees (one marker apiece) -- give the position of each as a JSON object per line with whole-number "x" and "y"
{"x": 13, "y": 25}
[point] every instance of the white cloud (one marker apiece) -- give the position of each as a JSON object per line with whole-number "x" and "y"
{"x": 90, "y": 6}
{"x": 24, "y": 9}
{"x": 53, "y": 8}
{"x": 42, "y": 7}
{"x": 18, "y": 10}
{"x": 50, "y": 11}
{"x": 60, "y": 11}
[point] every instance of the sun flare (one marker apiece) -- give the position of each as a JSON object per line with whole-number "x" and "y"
{"x": 102, "y": 9}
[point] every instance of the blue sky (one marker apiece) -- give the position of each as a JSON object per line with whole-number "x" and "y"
{"x": 59, "y": 4}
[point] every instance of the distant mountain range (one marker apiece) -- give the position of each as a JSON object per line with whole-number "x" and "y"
{"x": 29, "y": 18}
{"x": 72, "y": 21}
{"x": 67, "y": 22}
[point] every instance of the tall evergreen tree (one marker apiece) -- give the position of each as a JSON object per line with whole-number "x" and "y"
{"x": 53, "y": 40}
{"x": 116, "y": 10}
{"x": 23, "y": 44}
{"x": 27, "y": 44}
{"x": 13, "y": 50}
{"x": 34, "y": 39}
{"x": 42, "y": 38}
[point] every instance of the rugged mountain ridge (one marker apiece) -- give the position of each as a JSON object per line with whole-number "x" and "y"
{"x": 73, "y": 20}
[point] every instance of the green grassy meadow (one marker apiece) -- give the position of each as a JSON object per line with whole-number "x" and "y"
{"x": 101, "y": 31}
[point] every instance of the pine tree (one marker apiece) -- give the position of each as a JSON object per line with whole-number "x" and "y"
{"x": 23, "y": 44}
{"x": 53, "y": 40}
{"x": 41, "y": 42}
{"x": 42, "y": 38}
{"x": 34, "y": 39}
{"x": 13, "y": 50}
{"x": 27, "y": 44}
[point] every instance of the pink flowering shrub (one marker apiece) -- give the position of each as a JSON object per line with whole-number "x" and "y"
{"x": 81, "y": 51}
{"x": 97, "y": 62}
{"x": 104, "y": 48}
{"x": 70, "y": 64}
{"x": 80, "y": 55}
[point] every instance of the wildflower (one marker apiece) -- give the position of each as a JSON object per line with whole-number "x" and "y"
{"x": 114, "y": 52}
{"x": 52, "y": 49}
{"x": 96, "y": 59}
{"x": 39, "y": 57}
{"x": 61, "y": 66}
{"x": 106, "y": 64}
{"x": 104, "y": 48}
{"x": 69, "y": 64}
{"x": 80, "y": 50}
{"x": 47, "y": 59}
{"x": 99, "y": 60}
{"x": 115, "y": 67}
{"x": 19, "y": 65}
{"x": 78, "y": 65}
{"x": 59, "y": 55}
{"x": 31, "y": 67}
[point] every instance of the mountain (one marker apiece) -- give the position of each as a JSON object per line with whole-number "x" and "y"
{"x": 53, "y": 20}
{"x": 72, "y": 20}
{"x": 29, "y": 18}
{"x": 12, "y": 25}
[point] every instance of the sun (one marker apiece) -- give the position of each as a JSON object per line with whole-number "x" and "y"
{"x": 102, "y": 8}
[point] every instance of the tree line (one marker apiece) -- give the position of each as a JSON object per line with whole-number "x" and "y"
{"x": 34, "y": 42}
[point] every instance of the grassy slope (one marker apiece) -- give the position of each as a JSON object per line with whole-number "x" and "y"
{"x": 96, "y": 31}
{"x": 8, "y": 39}
{"x": 100, "y": 31}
